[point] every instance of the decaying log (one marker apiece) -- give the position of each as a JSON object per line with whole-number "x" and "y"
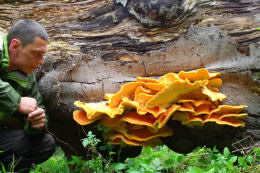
{"x": 96, "y": 46}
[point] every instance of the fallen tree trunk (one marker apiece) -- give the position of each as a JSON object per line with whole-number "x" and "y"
{"x": 96, "y": 46}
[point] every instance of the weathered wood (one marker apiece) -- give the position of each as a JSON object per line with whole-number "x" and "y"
{"x": 96, "y": 46}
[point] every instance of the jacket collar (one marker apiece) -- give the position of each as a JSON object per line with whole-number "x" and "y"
{"x": 19, "y": 77}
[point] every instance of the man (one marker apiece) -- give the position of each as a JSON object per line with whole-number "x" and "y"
{"x": 22, "y": 115}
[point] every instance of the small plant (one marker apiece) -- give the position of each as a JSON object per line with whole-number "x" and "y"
{"x": 90, "y": 141}
{"x": 56, "y": 164}
{"x": 96, "y": 162}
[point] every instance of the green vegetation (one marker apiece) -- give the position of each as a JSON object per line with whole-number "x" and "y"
{"x": 155, "y": 160}
{"x": 58, "y": 163}
{"x": 159, "y": 159}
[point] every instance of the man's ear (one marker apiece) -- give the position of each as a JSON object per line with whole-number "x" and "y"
{"x": 15, "y": 45}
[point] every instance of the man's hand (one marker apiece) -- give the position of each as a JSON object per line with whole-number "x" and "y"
{"x": 27, "y": 105}
{"x": 37, "y": 119}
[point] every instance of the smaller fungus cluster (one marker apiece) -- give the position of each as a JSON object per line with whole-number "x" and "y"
{"x": 138, "y": 113}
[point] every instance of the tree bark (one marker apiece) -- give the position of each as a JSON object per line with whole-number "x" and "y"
{"x": 96, "y": 46}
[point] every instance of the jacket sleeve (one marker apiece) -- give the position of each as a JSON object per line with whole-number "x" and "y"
{"x": 35, "y": 94}
{"x": 9, "y": 100}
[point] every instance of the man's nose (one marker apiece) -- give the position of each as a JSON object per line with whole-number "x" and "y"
{"x": 41, "y": 61}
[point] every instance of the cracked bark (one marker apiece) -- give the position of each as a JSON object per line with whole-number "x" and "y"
{"x": 108, "y": 43}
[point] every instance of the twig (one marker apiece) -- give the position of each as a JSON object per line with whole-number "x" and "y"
{"x": 240, "y": 143}
{"x": 86, "y": 152}
{"x": 84, "y": 131}
{"x": 201, "y": 154}
{"x": 65, "y": 143}
{"x": 247, "y": 150}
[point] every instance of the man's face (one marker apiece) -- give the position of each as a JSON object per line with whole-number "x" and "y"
{"x": 29, "y": 57}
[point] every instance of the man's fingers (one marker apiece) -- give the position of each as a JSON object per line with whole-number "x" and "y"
{"x": 37, "y": 126}
{"x": 37, "y": 119}
{"x": 35, "y": 113}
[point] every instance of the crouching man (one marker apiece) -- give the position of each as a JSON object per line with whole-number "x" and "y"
{"x": 22, "y": 116}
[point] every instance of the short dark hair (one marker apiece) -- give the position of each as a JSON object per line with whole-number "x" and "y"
{"x": 26, "y": 30}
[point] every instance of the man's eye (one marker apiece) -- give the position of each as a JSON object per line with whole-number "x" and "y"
{"x": 37, "y": 53}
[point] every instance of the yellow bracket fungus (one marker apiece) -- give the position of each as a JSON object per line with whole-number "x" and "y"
{"x": 199, "y": 74}
{"x": 127, "y": 90}
{"x": 135, "y": 118}
{"x": 214, "y": 96}
{"x": 94, "y": 110}
{"x": 171, "y": 94}
{"x": 138, "y": 114}
{"x": 143, "y": 133}
{"x": 82, "y": 118}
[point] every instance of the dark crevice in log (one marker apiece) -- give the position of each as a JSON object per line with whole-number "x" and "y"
{"x": 240, "y": 33}
{"x": 139, "y": 48}
{"x": 105, "y": 38}
{"x": 96, "y": 13}
{"x": 247, "y": 41}
{"x": 120, "y": 42}
{"x": 101, "y": 23}
{"x": 240, "y": 8}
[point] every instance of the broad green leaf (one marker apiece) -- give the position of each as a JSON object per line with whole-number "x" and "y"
{"x": 232, "y": 160}
{"x": 145, "y": 166}
{"x": 194, "y": 170}
{"x": 226, "y": 152}
{"x": 85, "y": 142}
{"x": 118, "y": 166}
{"x": 241, "y": 161}
{"x": 250, "y": 159}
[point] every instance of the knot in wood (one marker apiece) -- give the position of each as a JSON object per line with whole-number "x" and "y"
{"x": 155, "y": 12}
